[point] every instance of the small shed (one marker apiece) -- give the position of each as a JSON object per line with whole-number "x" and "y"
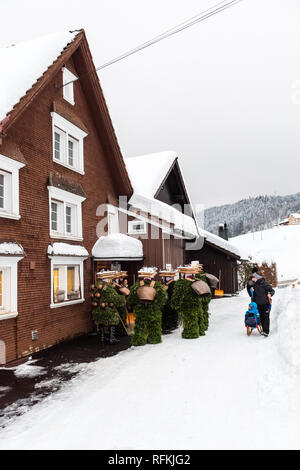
{"x": 220, "y": 258}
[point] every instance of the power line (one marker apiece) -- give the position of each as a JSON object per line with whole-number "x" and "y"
{"x": 175, "y": 30}
{"x": 214, "y": 10}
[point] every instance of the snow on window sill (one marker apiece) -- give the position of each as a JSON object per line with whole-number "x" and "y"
{"x": 7, "y": 316}
{"x": 67, "y": 302}
{"x": 69, "y": 167}
{"x": 7, "y": 215}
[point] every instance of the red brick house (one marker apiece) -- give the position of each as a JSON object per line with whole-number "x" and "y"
{"x": 59, "y": 160}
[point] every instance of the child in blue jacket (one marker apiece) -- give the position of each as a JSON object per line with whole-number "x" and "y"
{"x": 252, "y": 319}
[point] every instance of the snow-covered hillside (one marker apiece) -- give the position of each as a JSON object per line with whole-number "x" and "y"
{"x": 280, "y": 244}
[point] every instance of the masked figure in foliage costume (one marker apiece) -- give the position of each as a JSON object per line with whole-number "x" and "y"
{"x": 170, "y": 317}
{"x": 190, "y": 299}
{"x": 147, "y": 299}
{"x": 203, "y": 315}
{"x": 123, "y": 291}
{"x": 106, "y": 302}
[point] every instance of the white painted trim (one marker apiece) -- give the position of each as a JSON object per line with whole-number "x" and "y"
{"x": 67, "y": 198}
{"x": 131, "y": 231}
{"x": 114, "y": 211}
{"x": 61, "y": 194}
{"x": 65, "y": 261}
{"x": 66, "y": 237}
{"x": 69, "y": 302}
{"x": 68, "y": 76}
{"x": 70, "y": 129}
{"x": 12, "y": 166}
{"x": 11, "y": 262}
{"x": 7, "y": 316}
{"x": 6, "y": 215}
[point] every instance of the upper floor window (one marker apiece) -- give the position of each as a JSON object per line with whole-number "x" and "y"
{"x": 68, "y": 88}
{"x": 65, "y": 214}
{"x": 9, "y": 187}
{"x": 68, "y": 143}
{"x": 112, "y": 219}
{"x": 136, "y": 227}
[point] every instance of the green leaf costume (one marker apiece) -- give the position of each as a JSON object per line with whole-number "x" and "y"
{"x": 148, "y": 315}
{"x": 106, "y": 315}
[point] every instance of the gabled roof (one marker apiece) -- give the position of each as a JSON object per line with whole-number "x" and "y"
{"x": 147, "y": 174}
{"x": 30, "y": 66}
{"x": 24, "y": 63}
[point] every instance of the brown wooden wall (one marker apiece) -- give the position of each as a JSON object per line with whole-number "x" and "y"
{"x": 216, "y": 262}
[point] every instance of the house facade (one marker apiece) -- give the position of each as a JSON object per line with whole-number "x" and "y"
{"x": 59, "y": 161}
{"x": 293, "y": 219}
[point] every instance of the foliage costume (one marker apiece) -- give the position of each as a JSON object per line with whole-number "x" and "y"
{"x": 106, "y": 302}
{"x": 170, "y": 318}
{"x": 148, "y": 314}
{"x": 193, "y": 309}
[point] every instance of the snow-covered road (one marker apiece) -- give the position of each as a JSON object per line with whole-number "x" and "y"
{"x": 222, "y": 391}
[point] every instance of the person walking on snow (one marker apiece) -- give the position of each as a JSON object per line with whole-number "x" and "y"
{"x": 262, "y": 297}
{"x": 250, "y": 283}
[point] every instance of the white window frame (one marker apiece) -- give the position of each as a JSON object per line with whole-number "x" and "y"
{"x": 68, "y": 90}
{"x": 133, "y": 231}
{"x": 9, "y": 267}
{"x": 64, "y": 199}
{"x": 10, "y": 169}
{"x": 68, "y": 131}
{"x": 112, "y": 219}
{"x": 67, "y": 261}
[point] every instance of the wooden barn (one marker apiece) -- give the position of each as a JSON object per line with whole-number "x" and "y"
{"x": 219, "y": 258}
{"x": 159, "y": 211}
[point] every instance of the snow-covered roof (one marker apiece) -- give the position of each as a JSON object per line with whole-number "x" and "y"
{"x": 295, "y": 215}
{"x": 147, "y": 172}
{"x": 219, "y": 242}
{"x": 24, "y": 63}
{"x": 118, "y": 246}
{"x": 183, "y": 224}
{"x": 11, "y": 249}
{"x": 66, "y": 249}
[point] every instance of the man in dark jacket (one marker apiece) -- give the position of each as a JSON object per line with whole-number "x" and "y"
{"x": 262, "y": 297}
{"x": 250, "y": 282}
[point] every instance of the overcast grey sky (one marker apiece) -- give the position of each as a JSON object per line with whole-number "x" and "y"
{"x": 224, "y": 94}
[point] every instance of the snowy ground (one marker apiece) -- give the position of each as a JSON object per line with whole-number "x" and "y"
{"x": 280, "y": 244}
{"x": 222, "y": 391}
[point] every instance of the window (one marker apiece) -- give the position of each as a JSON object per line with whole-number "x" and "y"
{"x": 68, "y": 89}
{"x": 66, "y": 283}
{"x": 137, "y": 227}
{"x": 9, "y": 187}
{"x": 67, "y": 143}
{"x": 69, "y": 155}
{"x": 9, "y": 286}
{"x": 59, "y": 138}
{"x": 112, "y": 219}
{"x": 66, "y": 280}
{"x": 65, "y": 214}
